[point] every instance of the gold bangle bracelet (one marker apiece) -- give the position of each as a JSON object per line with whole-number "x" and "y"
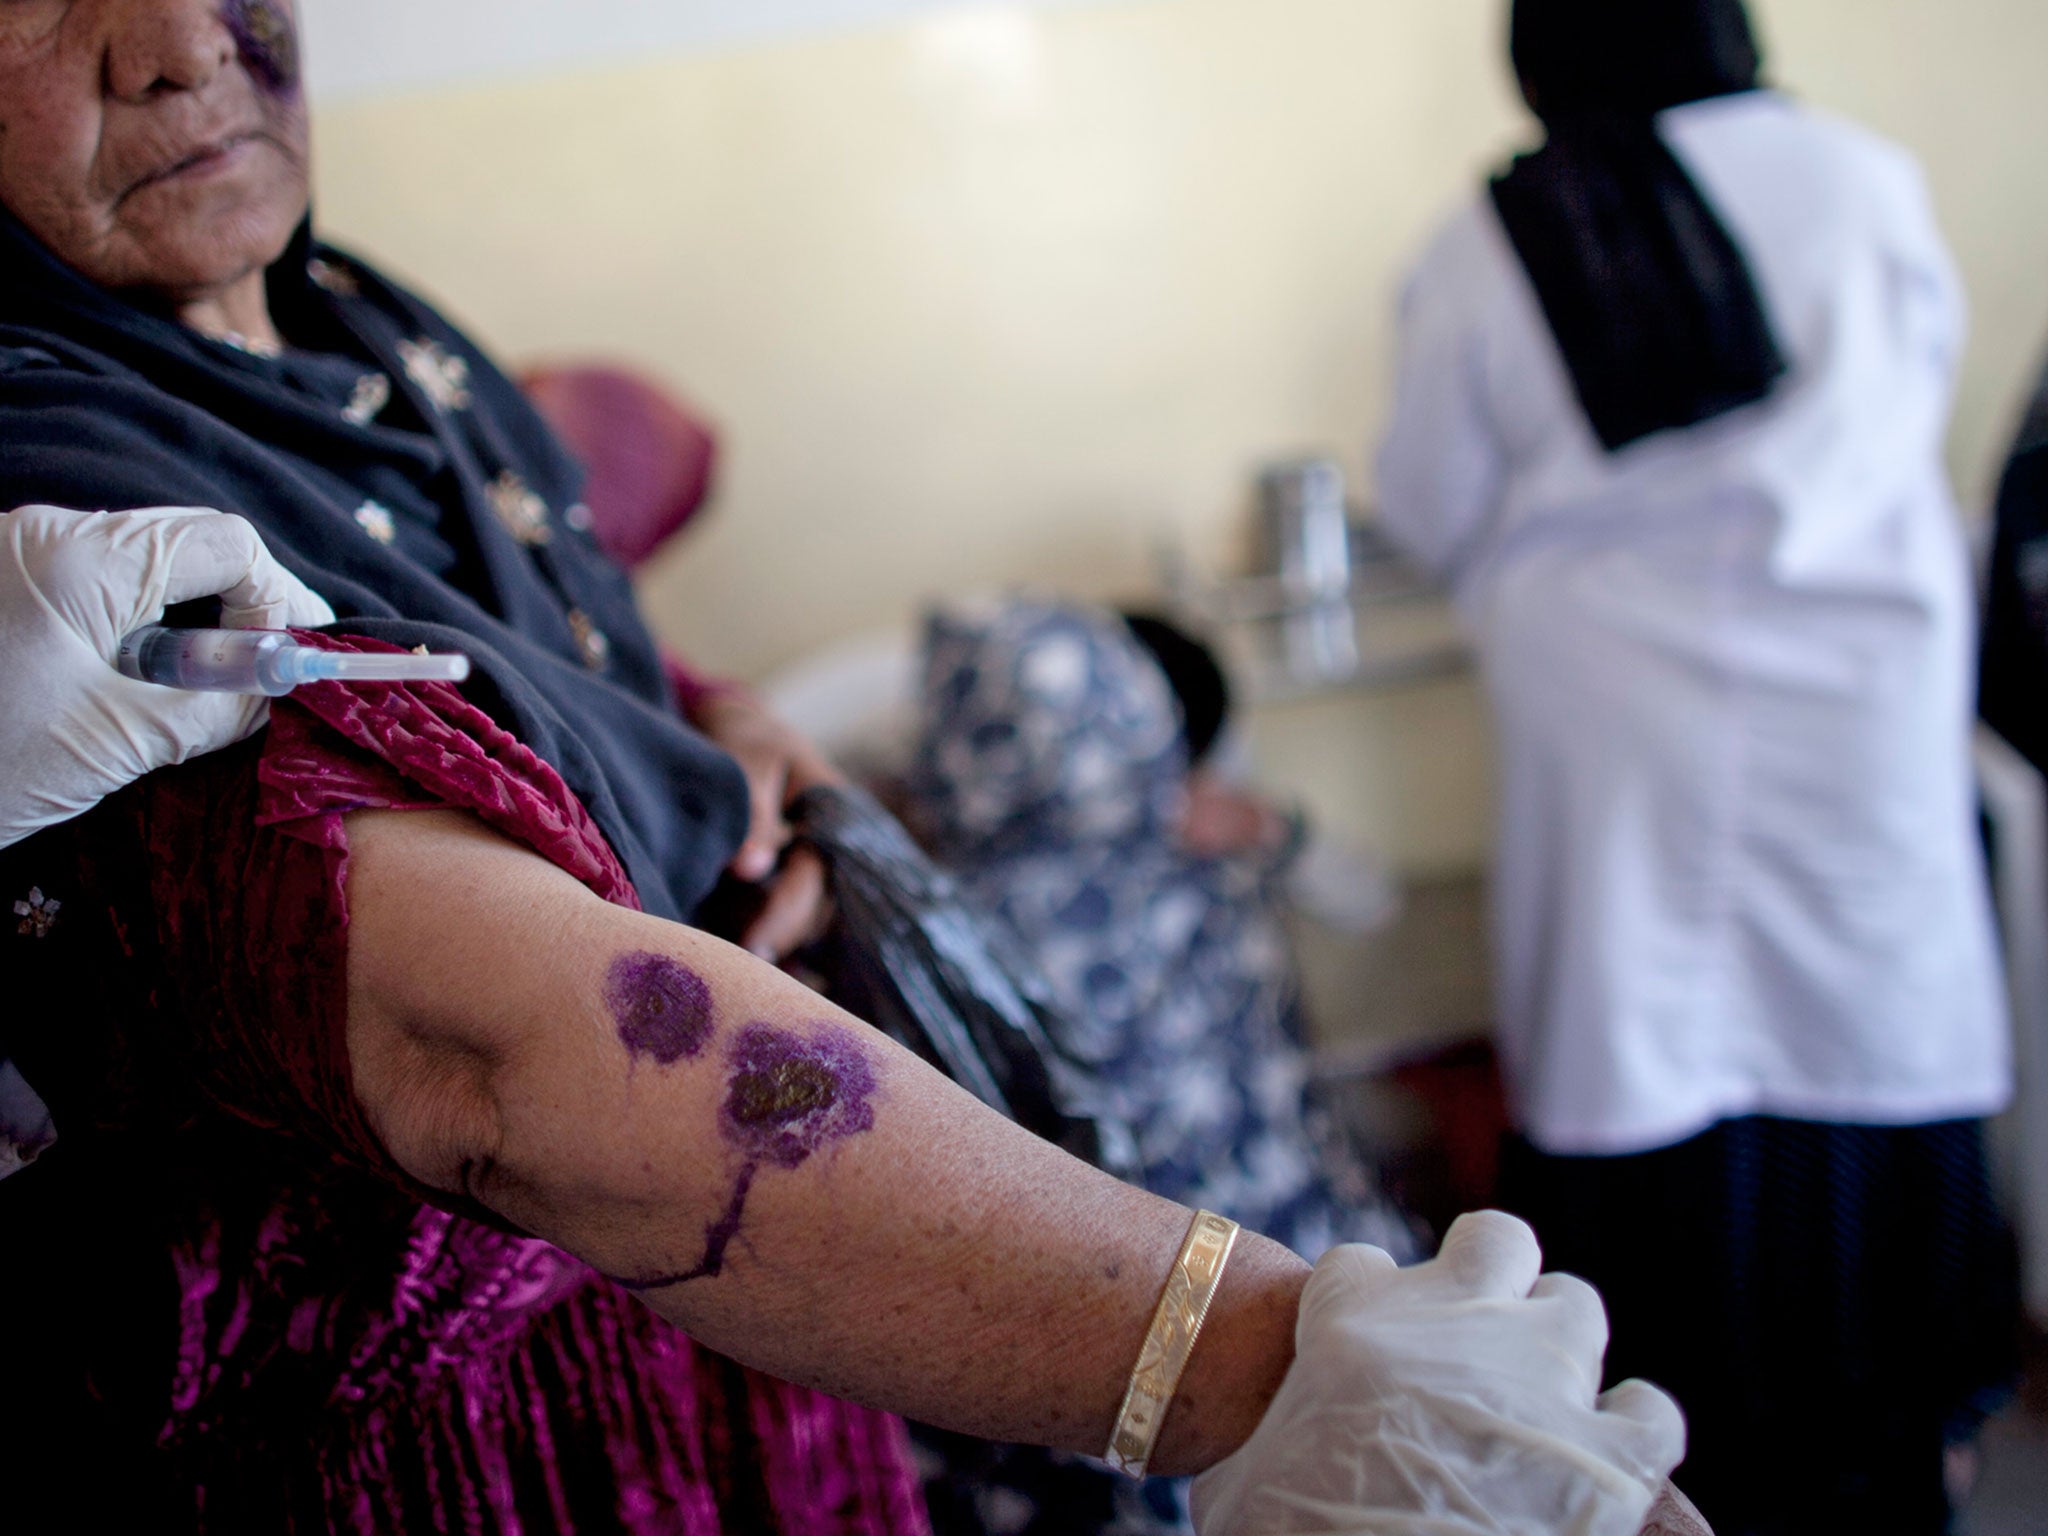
{"x": 1182, "y": 1307}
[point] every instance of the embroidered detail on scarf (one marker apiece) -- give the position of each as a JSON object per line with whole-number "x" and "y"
{"x": 334, "y": 277}
{"x": 592, "y": 643}
{"x": 373, "y": 393}
{"x": 375, "y": 519}
{"x": 38, "y": 914}
{"x": 438, "y": 373}
{"x": 250, "y": 345}
{"x": 523, "y": 513}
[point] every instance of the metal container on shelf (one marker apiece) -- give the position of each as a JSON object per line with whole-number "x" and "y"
{"x": 1305, "y": 529}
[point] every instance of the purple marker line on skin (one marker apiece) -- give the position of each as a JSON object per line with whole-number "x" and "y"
{"x": 662, "y": 1007}
{"x": 267, "y": 41}
{"x": 718, "y": 1237}
{"x": 787, "y": 1096}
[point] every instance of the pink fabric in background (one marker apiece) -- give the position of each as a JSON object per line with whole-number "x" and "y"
{"x": 650, "y": 461}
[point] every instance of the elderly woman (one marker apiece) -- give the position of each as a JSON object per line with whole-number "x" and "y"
{"x": 355, "y": 1031}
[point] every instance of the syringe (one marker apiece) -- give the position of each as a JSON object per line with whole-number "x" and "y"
{"x": 267, "y": 661}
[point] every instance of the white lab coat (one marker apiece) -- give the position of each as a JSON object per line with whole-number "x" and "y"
{"x": 1731, "y": 670}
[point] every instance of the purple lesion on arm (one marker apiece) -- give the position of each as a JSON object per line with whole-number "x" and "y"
{"x": 662, "y": 1007}
{"x": 788, "y": 1096}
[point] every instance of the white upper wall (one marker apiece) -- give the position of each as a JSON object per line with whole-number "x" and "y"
{"x": 359, "y": 48}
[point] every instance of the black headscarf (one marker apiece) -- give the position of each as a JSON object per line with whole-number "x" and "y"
{"x": 2013, "y": 682}
{"x": 1649, "y": 298}
{"x": 397, "y": 472}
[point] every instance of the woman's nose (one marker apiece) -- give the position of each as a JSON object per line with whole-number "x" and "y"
{"x": 155, "y": 46}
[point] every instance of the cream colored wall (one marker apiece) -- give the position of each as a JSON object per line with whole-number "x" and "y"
{"x": 1004, "y": 295}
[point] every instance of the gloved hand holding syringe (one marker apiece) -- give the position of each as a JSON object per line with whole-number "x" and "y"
{"x": 73, "y": 585}
{"x": 267, "y": 661}
{"x": 80, "y": 717}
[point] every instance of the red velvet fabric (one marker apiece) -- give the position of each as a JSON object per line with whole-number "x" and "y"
{"x": 348, "y": 1358}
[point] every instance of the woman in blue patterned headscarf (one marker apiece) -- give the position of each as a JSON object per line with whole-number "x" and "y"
{"x": 1051, "y": 775}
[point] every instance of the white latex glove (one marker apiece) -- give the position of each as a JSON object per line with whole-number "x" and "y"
{"x": 72, "y": 584}
{"x": 1450, "y": 1399}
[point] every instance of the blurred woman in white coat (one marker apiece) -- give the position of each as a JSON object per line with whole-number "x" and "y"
{"x": 1669, "y": 418}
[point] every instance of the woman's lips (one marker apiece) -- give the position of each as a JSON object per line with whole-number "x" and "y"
{"x": 198, "y": 164}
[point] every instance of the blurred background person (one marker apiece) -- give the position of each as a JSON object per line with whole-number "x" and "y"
{"x": 1670, "y": 411}
{"x": 1058, "y": 772}
{"x": 2013, "y": 681}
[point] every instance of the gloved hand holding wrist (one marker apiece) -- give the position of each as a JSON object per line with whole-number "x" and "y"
{"x": 72, "y": 585}
{"x": 1454, "y": 1398}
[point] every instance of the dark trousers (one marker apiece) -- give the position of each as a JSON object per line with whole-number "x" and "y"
{"x": 1832, "y": 1305}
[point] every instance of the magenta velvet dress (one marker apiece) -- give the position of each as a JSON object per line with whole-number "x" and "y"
{"x": 345, "y": 1355}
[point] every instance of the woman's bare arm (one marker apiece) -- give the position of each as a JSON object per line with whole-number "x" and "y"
{"x": 785, "y": 1183}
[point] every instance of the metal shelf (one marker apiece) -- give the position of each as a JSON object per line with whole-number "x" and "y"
{"x": 1388, "y": 627}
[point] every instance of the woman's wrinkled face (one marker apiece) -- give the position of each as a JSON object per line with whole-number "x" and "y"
{"x": 154, "y": 145}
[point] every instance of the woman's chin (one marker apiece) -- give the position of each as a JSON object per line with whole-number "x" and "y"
{"x": 204, "y": 251}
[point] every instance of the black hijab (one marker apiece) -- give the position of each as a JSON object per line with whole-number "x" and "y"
{"x": 397, "y": 472}
{"x": 1651, "y": 302}
{"x": 2013, "y": 681}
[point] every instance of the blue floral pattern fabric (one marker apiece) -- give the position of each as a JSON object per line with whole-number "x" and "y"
{"x": 1049, "y": 777}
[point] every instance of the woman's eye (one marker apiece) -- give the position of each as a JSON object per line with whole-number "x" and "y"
{"x": 30, "y": 18}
